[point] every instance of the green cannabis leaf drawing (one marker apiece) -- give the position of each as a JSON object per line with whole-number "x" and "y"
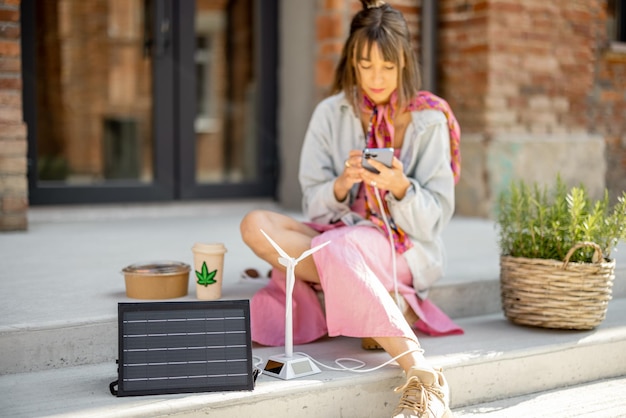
{"x": 205, "y": 278}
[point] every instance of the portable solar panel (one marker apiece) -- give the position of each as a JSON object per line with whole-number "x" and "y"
{"x": 177, "y": 347}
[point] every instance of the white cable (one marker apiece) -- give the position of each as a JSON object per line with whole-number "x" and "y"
{"x": 258, "y": 361}
{"x": 393, "y": 249}
{"x": 356, "y": 369}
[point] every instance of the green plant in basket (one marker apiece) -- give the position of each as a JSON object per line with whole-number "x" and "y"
{"x": 555, "y": 263}
{"x": 535, "y": 222}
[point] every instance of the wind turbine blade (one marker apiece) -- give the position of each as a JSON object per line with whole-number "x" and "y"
{"x": 280, "y": 250}
{"x": 311, "y": 251}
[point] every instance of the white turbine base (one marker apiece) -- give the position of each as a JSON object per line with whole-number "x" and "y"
{"x": 287, "y": 368}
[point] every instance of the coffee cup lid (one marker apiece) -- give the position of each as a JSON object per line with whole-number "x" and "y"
{"x": 210, "y": 248}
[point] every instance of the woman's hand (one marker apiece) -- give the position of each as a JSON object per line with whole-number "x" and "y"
{"x": 351, "y": 175}
{"x": 390, "y": 178}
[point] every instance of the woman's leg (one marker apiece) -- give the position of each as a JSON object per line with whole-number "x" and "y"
{"x": 398, "y": 345}
{"x": 292, "y": 236}
{"x": 426, "y": 392}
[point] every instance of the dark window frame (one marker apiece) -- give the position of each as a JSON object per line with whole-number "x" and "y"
{"x": 616, "y": 10}
{"x": 620, "y": 21}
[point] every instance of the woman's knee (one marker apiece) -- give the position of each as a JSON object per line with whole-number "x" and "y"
{"x": 252, "y": 223}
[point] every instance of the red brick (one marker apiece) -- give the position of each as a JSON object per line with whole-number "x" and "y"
{"x": 9, "y": 48}
{"x": 329, "y": 27}
{"x": 409, "y": 12}
{"x": 13, "y": 203}
{"x": 11, "y": 2}
{"x": 10, "y": 83}
{"x": 480, "y": 6}
{"x": 334, "y": 4}
{"x": 330, "y": 49}
{"x": 611, "y": 96}
{"x": 13, "y": 184}
{"x": 324, "y": 74}
{"x": 12, "y": 131}
{"x": 10, "y": 114}
{"x": 9, "y": 31}
{"x": 13, "y": 147}
{"x": 13, "y": 165}
{"x": 515, "y": 8}
{"x": 10, "y": 98}
{"x": 7, "y": 15}
{"x": 10, "y": 65}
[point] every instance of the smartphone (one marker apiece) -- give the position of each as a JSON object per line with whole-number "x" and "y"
{"x": 382, "y": 155}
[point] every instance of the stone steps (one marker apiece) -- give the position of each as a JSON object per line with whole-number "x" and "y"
{"x": 58, "y": 331}
{"x": 493, "y": 360}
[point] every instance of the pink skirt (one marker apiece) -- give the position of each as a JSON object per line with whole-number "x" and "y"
{"x": 356, "y": 276}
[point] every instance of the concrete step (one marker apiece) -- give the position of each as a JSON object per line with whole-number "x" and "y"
{"x": 493, "y": 360}
{"x": 91, "y": 340}
{"x": 600, "y": 399}
{"x": 58, "y": 328}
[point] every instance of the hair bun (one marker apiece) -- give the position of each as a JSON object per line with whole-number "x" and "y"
{"x": 372, "y": 4}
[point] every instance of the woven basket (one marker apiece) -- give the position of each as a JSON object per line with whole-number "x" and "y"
{"x": 555, "y": 294}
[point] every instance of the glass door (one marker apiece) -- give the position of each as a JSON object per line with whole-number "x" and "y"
{"x": 95, "y": 80}
{"x": 230, "y": 113}
{"x": 143, "y": 100}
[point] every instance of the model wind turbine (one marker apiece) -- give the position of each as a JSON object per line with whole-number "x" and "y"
{"x": 290, "y": 366}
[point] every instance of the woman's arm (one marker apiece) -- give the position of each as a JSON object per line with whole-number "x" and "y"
{"x": 428, "y": 203}
{"x": 322, "y": 163}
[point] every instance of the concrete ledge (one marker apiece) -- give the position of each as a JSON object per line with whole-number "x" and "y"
{"x": 50, "y": 345}
{"x": 493, "y": 360}
{"x": 491, "y": 162}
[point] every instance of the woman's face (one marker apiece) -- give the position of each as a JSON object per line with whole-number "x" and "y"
{"x": 378, "y": 78}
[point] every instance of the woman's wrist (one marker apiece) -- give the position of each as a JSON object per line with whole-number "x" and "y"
{"x": 340, "y": 190}
{"x": 399, "y": 190}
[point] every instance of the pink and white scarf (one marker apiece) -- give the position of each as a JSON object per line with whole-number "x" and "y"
{"x": 380, "y": 135}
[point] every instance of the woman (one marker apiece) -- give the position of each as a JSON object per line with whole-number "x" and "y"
{"x": 384, "y": 228}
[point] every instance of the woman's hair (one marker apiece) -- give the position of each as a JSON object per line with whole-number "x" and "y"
{"x": 378, "y": 24}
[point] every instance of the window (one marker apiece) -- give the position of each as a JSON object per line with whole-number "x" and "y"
{"x": 209, "y": 61}
{"x": 616, "y": 22}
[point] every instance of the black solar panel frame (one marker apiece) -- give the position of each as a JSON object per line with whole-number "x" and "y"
{"x": 168, "y": 312}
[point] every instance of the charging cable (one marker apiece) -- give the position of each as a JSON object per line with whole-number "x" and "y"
{"x": 393, "y": 249}
{"x": 339, "y": 362}
{"x": 257, "y": 361}
{"x": 360, "y": 364}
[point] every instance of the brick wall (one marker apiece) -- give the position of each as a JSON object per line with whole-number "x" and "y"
{"x": 521, "y": 77}
{"x": 463, "y": 60}
{"x": 541, "y": 69}
{"x": 510, "y": 66}
{"x": 13, "y": 181}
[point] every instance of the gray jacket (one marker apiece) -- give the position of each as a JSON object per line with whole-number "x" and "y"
{"x": 426, "y": 209}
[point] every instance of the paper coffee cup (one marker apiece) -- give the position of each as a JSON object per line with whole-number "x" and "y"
{"x": 208, "y": 261}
